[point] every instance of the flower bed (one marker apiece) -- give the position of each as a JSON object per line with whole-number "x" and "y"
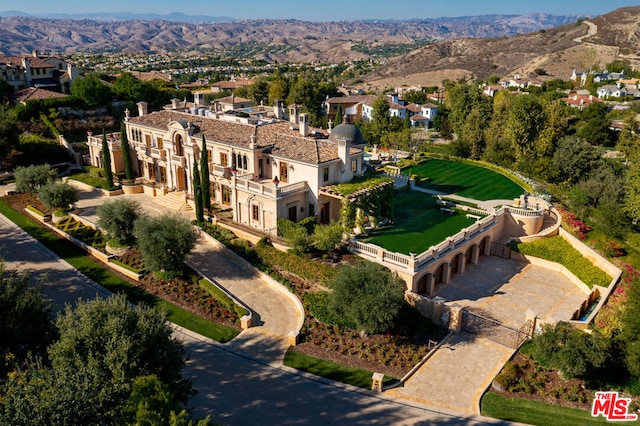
{"x": 187, "y": 294}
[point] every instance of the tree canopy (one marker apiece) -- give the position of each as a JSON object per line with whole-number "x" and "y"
{"x": 367, "y": 296}
{"x": 165, "y": 241}
{"x": 104, "y": 345}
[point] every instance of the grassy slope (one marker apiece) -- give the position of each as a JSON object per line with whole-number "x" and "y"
{"x": 466, "y": 180}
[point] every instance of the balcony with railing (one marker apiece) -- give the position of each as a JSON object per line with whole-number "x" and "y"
{"x": 179, "y": 160}
{"x": 268, "y": 187}
{"x": 160, "y": 154}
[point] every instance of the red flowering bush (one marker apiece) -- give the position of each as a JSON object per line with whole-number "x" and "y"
{"x": 576, "y": 226}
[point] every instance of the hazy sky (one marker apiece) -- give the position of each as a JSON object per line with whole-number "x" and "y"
{"x": 323, "y": 10}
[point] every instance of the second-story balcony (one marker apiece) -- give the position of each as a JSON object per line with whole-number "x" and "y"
{"x": 179, "y": 160}
{"x": 160, "y": 154}
{"x": 269, "y": 188}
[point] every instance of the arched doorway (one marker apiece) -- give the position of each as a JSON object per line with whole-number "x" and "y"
{"x": 178, "y": 145}
{"x": 468, "y": 255}
{"x": 483, "y": 247}
{"x": 423, "y": 284}
{"x": 440, "y": 276}
{"x": 457, "y": 263}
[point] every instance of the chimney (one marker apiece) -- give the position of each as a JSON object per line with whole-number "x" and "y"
{"x": 175, "y": 103}
{"x": 142, "y": 108}
{"x": 26, "y": 64}
{"x": 294, "y": 112}
{"x": 34, "y": 52}
{"x": 304, "y": 125}
{"x": 330, "y": 126}
{"x": 278, "y": 111}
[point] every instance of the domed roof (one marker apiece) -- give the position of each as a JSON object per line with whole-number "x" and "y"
{"x": 350, "y": 132}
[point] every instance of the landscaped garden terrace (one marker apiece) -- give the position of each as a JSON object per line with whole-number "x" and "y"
{"x": 419, "y": 224}
{"x": 466, "y": 180}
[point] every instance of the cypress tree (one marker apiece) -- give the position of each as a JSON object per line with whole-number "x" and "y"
{"x": 126, "y": 153}
{"x": 204, "y": 169}
{"x": 338, "y": 118}
{"x": 106, "y": 161}
{"x": 197, "y": 192}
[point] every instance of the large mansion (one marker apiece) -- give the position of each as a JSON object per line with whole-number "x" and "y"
{"x": 262, "y": 166}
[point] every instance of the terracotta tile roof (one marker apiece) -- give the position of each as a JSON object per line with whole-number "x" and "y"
{"x": 225, "y": 84}
{"x": 284, "y": 141}
{"x": 366, "y": 99}
{"x": 418, "y": 118}
{"x": 32, "y": 93}
{"x": 17, "y": 61}
{"x": 235, "y": 99}
{"x": 414, "y": 108}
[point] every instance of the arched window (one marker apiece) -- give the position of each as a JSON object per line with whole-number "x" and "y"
{"x": 244, "y": 162}
{"x": 178, "y": 144}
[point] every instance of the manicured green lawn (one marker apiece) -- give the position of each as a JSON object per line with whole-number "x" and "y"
{"x": 419, "y": 224}
{"x": 331, "y": 370}
{"x": 466, "y": 180}
{"x": 533, "y": 412}
{"x": 101, "y": 275}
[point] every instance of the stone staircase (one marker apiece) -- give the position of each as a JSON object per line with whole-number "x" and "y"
{"x": 174, "y": 201}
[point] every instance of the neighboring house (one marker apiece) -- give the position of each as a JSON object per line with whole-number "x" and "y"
{"x": 362, "y": 107}
{"x": 46, "y": 72}
{"x": 349, "y": 91}
{"x": 580, "y": 101}
{"x": 598, "y": 77}
{"x": 611, "y": 91}
{"x": 231, "y": 85}
{"x": 35, "y": 93}
{"x": 262, "y": 167}
{"x": 492, "y": 89}
{"x": 352, "y": 106}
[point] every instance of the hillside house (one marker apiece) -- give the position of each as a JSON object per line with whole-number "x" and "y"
{"x": 580, "y": 101}
{"x": 611, "y": 91}
{"x": 35, "y": 70}
{"x": 261, "y": 166}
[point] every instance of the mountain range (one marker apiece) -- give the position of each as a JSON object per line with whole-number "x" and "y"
{"x": 555, "y": 52}
{"x": 270, "y": 39}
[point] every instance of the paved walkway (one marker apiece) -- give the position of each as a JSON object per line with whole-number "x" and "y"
{"x": 457, "y": 375}
{"x": 275, "y": 316}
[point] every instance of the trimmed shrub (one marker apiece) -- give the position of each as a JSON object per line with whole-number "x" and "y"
{"x": 31, "y": 178}
{"x": 58, "y": 195}
{"x": 117, "y": 218}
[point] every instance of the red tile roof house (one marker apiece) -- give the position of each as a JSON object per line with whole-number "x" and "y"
{"x": 47, "y": 72}
{"x": 261, "y": 166}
